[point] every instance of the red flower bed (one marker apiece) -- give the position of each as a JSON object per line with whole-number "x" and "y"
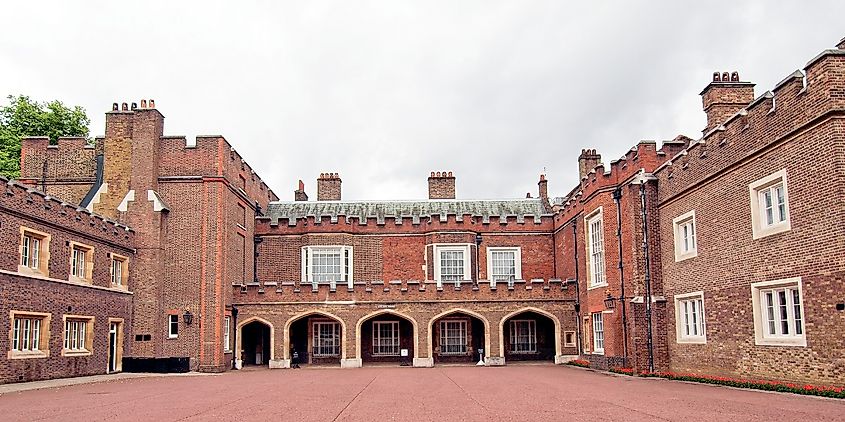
{"x": 579, "y": 362}
{"x": 813, "y": 390}
{"x": 623, "y": 371}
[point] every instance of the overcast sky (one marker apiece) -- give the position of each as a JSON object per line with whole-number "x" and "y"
{"x": 385, "y": 92}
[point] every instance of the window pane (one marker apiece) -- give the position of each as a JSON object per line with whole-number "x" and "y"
{"x": 770, "y": 312}
{"x": 783, "y": 314}
{"x": 781, "y": 202}
{"x": 796, "y": 303}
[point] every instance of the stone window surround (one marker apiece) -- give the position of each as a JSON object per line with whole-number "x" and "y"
{"x": 760, "y": 338}
{"x": 89, "y": 335}
{"x": 44, "y": 335}
{"x": 677, "y": 225}
{"x": 758, "y": 228}
{"x": 517, "y": 260}
{"x": 43, "y": 252}
{"x": 89, "y": 262}
{"x": 680, "y": 337}
{"x": 593, "y": 283}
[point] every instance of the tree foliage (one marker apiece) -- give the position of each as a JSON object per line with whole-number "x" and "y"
{"x": 25, "y": 117}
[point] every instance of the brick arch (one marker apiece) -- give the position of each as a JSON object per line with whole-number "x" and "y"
{"x": 483, "y": 319}
{"x": 240, "y": 336}
{"x": 555, "y": 320}
{"x": 363, "y": 319}
{"x": 297, "y": 317}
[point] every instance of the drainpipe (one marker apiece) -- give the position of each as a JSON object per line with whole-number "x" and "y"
{"x": 644, "y": 214}
{"x": 577, "y": 289}
{"x": 617, "y": 196}
{"x": 234, "y": 329}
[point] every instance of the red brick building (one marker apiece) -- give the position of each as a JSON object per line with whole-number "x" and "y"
{"x": 722, "y": 255}
{"x": 66, "y": 303}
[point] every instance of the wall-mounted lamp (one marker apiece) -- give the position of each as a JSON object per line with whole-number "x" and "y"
{"x": 188, "y": 317}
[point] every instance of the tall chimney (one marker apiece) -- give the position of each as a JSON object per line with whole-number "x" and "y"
{"x": 587, "y": 161}
{"x": 543, "y": 186}
{"x": 441, "y": 185}
{"x": 299, "y": 194}
{"x": 328, "y": 187}
{"x": 725, "y": 96}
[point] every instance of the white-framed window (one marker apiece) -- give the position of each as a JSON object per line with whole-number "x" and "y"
{"x": 81, "y": 262}
{"x": 453, "y": 337}
{"x": 119, "y": 270}
{"x": 30, "y": 335}
{"x": 326, "y": 339}
{"x": 227, "y": 329}
{"x": 386, "y": 338}
{"x": 778, "y": 313}
{"x": 598, "y": 333}
{"x": 451, "y": 263}
{"x": 595, "y": 248}
{"x": 34, "y": 251}
{"x": 686, "y": 244}
{"x": 569, "y": 339}
{"x": 504, "y": 263}
{"x": 173, "y": 326}
{"x": 523, "y": 336}
{"x": 769, "y": 205}
{"x": 689, "y": 318}
{"x": 327, "y": 264}
{"x": 78, "y": 335}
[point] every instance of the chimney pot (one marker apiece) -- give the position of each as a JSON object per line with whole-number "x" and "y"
{"x": 299, "y": 194}
{"x": 723, "y": 98}
{"x": 114, "y": 107}
{"x": 124, "y": 107}
{"x": 143, "y": 103}
{"x": 152, "y": 103}
{"x": 716, "y": 77}
{"x": 134, "y": 106}
{"x": 441, "y": 185}
{"x": 328, "y": 187}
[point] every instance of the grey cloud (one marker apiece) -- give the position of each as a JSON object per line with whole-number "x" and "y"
{"x": 384, "y": 92}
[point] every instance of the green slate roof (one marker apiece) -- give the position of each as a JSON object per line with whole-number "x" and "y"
{"x": 435, "y": 208}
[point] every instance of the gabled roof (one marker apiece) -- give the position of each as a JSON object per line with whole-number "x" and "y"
{"x": 379, "y": 210}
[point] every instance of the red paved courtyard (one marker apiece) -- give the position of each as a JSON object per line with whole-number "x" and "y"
{"x": 519, "y": 393}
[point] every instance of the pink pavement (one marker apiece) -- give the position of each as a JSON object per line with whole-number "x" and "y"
{"x": 512, "y": 393}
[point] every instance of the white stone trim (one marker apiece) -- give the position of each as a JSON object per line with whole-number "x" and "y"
{"x": 758, "y": 229}
{"x": 679, "y": 323}
{"x": 677, "y": 225}
{"x": 760, "y": 338}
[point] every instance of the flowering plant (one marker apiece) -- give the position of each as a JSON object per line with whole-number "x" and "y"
{"x": 623, "y": 371}
{"x": 786, "y": 387}
{"x": 579, "y": 362}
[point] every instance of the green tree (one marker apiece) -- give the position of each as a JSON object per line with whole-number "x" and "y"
{"x": 25, "y": 117}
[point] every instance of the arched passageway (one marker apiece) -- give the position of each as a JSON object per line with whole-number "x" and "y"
{"x": 457, "y": 337}
{"x": 256, "y": 343}
{"x": 529, "y": 336}
{"x": 316, "y": 339}
{"x": 387, "y": 338}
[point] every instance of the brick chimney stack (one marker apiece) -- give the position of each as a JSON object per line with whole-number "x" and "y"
{"x": 441, "y": 185}
{"x": 587, "y": 161}
{"x": 328, "y": 187}
{"x": 299, "y": 194}
{"x": 725, "y": 96}
{"x": 543, "y": 186}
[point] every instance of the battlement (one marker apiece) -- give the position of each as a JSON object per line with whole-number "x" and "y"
{"x": 32, "y": 203}
{"x": 402, "y": 289}
{"x": 644, "y": 155}
{"x": 801, "y": 98}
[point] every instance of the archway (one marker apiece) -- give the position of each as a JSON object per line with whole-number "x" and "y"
{"x": 456, "y": 336}
{"x": 529, "y": 334}
{"x": 256, "y": 343}
{"x": 387, "y": 337}
{"x": 316, "y": 338}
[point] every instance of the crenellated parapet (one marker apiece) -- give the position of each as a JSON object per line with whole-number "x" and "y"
{"x": 527, "y": 214}
{"x": 404, "y": 290}
{"x": 34, "y": 204}
{"x": 799, "y": 101}
{"x": 601, "y": 178}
